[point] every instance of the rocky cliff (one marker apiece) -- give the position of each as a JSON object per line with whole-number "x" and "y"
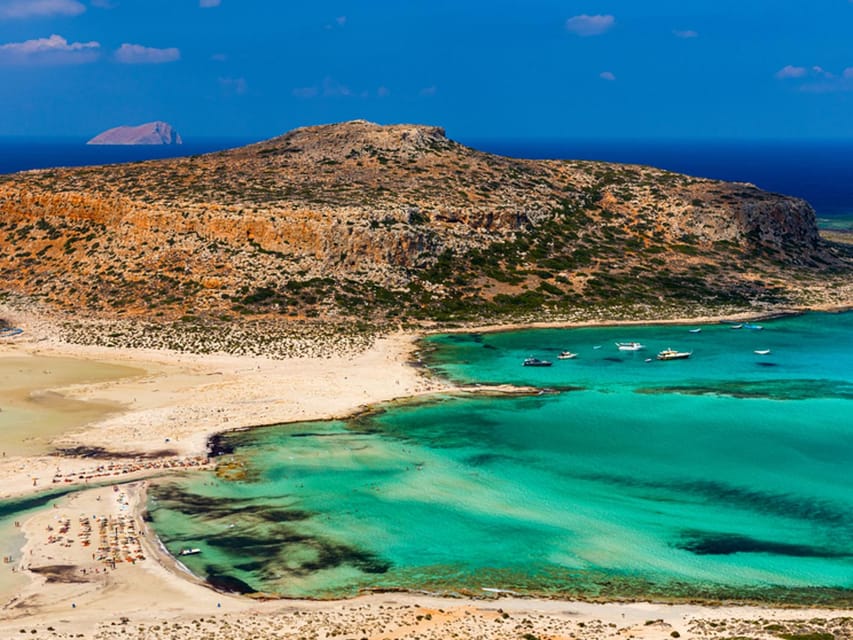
{"x": 148, "y": 133}
{"x": 361, "y": 220}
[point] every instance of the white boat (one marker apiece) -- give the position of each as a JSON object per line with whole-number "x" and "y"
{"x": 630, "y": 346}
{"x": 697, "y": 330}
{"x": 672, "y": 354}
{"x": 535, "y": 362}
{"x": 566, "y": 355}
{"x": 762, "y": 352}
{"x": 737, "y": 326}
{"x": 190, "y": 552}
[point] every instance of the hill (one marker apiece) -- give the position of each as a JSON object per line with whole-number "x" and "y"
{"x": 361, "y": 221}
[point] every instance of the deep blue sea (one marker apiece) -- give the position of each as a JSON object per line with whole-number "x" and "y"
{"x": 819, "y": 171}
{"x": 21, "y": 154}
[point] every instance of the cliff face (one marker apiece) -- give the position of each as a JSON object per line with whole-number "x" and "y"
{"x": 358, "y": 219}
{"x": 149, "y": 133}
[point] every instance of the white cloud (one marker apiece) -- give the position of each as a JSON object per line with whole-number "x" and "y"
{"x": 585, "y": 25}
{"x": 816, "y": 79}
{"x": 103, "y": 4}
{"x": 790, "y": 71}
{"x": 234, "y": 85}
{"x": 11, "y": 9}
{"x": 339, "y": 23}
{"x": 333, "y": 89}
{"x": 137, "y": 54}
{"x": 209, "y": 4}
{"x": 47, "y": 51}
{"x": 685, "y": 34}
{"x": 607, "y": 75}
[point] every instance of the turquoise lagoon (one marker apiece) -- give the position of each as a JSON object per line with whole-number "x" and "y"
{"x": 725, "y": 475}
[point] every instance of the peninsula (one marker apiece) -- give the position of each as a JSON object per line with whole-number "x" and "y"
{"x": 148, "y": 133}
{"x": 357, "y": 221}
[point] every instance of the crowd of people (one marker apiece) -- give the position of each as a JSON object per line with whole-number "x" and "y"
{"x": 136, "y": 465}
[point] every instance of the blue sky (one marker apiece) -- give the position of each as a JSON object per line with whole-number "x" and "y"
{"x": 524, "y": 69}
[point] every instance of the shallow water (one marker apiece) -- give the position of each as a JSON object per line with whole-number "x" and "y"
{"x": 31, "y": 414}
{"x": 709, "y": 477}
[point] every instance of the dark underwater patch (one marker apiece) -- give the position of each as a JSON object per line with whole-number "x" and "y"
{"x": 483, "y": 459}
{"x": 778, "y": 504}
{"x": 11, "y": 507}
{"x": 332, "y": 555}
{"x": 460, "y": 337}
{"x": 224, "y": 582}
{"x": 725, "y": 544}
{"x": 219, "y": 445}
{"x": 100, "y": 453}
{"x": 172, "y": 496}
{"x": 325, "y": 434}
{"x": 795, "y": 389}
{"x": 277, "y": 546}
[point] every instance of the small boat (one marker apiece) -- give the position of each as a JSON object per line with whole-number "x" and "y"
{"x": 754, "y": 327}
{"x": 737, "y": 326}
{"x": 697, "y": 330}
{"x": 597, "y": 346}
{"x": 672, "y": 354}
{"x": 762, "y": 352}
{"x": 629, "y": 346}
{"x": 535, "y": 362}
{"x": 566, "y": 355}
{"x": 190, "y": 551}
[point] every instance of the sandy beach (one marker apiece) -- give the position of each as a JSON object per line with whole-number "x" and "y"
{"x": 93, "y": 568}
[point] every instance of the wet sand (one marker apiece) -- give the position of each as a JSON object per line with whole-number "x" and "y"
{"x": 34, "y": 408}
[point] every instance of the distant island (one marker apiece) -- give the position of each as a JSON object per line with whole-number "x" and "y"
{"x": 148, "y": 133}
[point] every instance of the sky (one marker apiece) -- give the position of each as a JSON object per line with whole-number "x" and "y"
{"x": 525, "y": 69}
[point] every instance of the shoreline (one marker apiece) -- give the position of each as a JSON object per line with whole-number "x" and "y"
{"x": 744, "y": 316}
{"x": 74, "y": 595}
{"x": 207, "y": 379}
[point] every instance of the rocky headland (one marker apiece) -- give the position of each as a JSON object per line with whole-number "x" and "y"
{"x": 148, "y": 133}
{"x": 357, "y": 222}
